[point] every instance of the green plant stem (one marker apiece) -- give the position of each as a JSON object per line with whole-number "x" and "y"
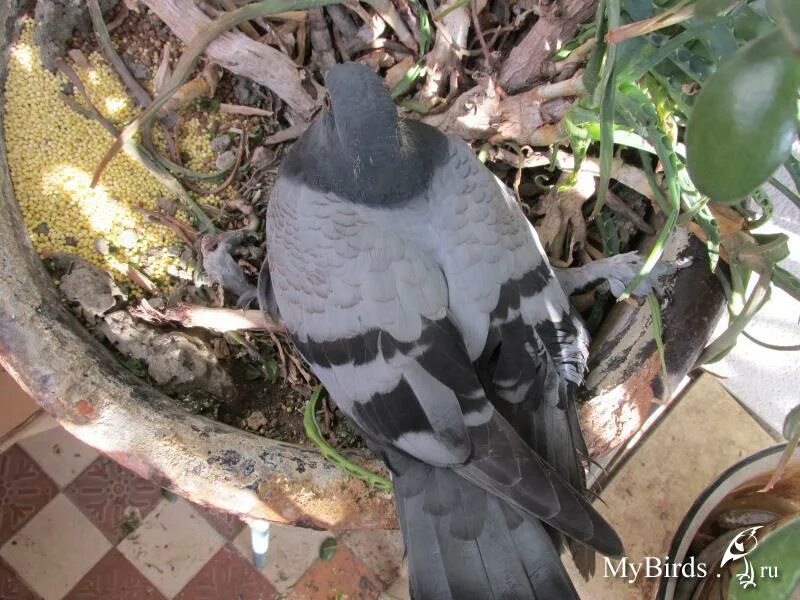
{"x": 786, "y": 281}
{"x": 330, "y": 454}
{"x": 658, "y": 330}
{"x": 104, "y": 37}
{"x": 716, "y": 349}
{"x": 783, "y": 189}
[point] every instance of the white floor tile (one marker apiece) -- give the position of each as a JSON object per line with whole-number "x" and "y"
{"x": 60, "y": 454}
{"x": 291, "y": 551}
{"x": 171, "y": 545}
{"x": 380, "y": 550}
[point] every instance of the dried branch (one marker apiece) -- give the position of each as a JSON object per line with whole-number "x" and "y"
{"x": 247, "y": 111}
{"x": 236, "y": 52}
{"x": 202, "y": 86}
{"x": 321, "y": 40}
{"x": 389, "y": 13}
{"x": 137, "y": 91}
{"x": 482, "y": 113}
{"x": 527, "y": 62}
{"x": 448, "y": 46}
{"x": 215, "y": 319}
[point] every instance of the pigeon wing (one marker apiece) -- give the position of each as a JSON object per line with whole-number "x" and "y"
{"x": 367, "y": 305}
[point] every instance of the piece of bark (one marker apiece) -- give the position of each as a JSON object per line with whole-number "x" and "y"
{"x": 321, "y": 41}
{"x": 482, "y": 113}
{"x": 239, "y": 54}
{"x": 557, "y": 23}
{"x": 563, "y": 228}
{"x": 444, "y": 57}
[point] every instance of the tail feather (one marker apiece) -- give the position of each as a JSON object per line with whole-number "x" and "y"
{"x": 475, "y": 547}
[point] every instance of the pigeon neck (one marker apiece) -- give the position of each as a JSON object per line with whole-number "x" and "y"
{"x": 376, "y": 170}
{"x": 370, "y": 140}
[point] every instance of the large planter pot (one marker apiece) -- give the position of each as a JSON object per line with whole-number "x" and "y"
{"x": 76, "y": 379}
{"x": 745, "y": 477}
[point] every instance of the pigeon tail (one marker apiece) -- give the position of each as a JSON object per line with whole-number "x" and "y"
{"x": 463, "y": 542}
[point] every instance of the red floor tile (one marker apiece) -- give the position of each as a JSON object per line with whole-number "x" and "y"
{"x": 11, "y": 585}
{"x": 24, "y": 490}
{"x": 114, "y": 499}
{"x": 343, "y": 574}
{"x": 227, "y": 575}
{"x": 114, "y": 577}
{"x": 226, "y": 524}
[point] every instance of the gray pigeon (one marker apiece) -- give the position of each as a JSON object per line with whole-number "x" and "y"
{"x": 418, "y": 292}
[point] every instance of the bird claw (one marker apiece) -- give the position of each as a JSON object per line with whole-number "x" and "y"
{"x": 623, "y": 268}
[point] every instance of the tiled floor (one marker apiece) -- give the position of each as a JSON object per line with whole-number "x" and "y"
{"x": 76, "y": 525}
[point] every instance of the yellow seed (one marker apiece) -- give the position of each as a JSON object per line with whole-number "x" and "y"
{"x": 53, "y": 152}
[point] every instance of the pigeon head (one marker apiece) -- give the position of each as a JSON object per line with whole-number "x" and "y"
{"x": 360, "y": 149}
{"x": 364, "y": 117}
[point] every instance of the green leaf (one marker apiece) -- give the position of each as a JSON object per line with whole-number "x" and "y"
{"x": 777, "y": 550}
{"x": 251, "y": 372}
{"x": 409, "y": 78}
{"x": 658, "y": 331}
{"x": 751, "y": 24}
{"x": 425, "y": 34}
{"x": 743, "y": 123}
{"x": 579, "y": 140}
{"x": 608, "y": 89}
{"x": 609, "y": 232}
{"x": 327, "y": 549}
{"x": 786, "y": 14}
{"x": 705, "y": 9}
{"x": 591, "y": 76}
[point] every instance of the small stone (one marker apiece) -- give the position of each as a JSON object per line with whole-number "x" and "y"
{"x": 70, "y": 241}
{"x": 262, "y": 158}
{"x": 42, "y": 228}
{"x": 101, "y": 246}
{"x": 168, "y": 205}
{"x": 221, "y": 143}
{"x": 226, "y": 160}
{"x": 256, "y": 420}
{"x": 139, "y": 71}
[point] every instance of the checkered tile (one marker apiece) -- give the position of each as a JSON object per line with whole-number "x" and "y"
{"x": 76, "y": 525}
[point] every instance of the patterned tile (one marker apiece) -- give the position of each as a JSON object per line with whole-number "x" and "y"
{"x": 24, "y": 490}
{"x": 380, "y": 550}
{"x": 114, "y": 577}
{"x": 400, "y": 589}
{"x": 11, "y": 585}
{"x": 55, "y": 549}
{"x": 60, "y": 454}
{"x": 228, "y": 575}
{"x": 228, "y": 525}
{"x": 115, "y": 499}
{"x": 343, "y": 574}
{"x": 292, "y": 550}
{"x": 39, "y": 423}
{"x": 171, "y": 545}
